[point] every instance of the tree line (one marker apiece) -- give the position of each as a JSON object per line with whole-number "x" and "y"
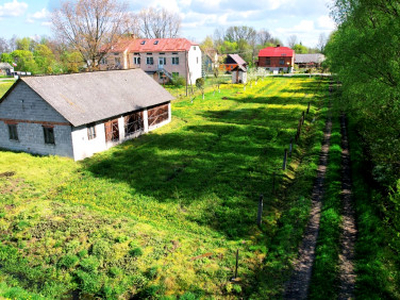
{"x": 85, "y": 31}
{"x": 364, "y": 53}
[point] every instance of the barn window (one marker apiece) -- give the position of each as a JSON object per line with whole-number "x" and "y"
{"x": 48, "y": 135}
{"x": 267, "y": 61}
{"x": 133, "y": 123}
{"x": 157, "y": 114}
{"x": 91, "y": 132}
{"x": 12, "y": 131}
{"x": 281, "y": 61}
{"x": 112, "y": 131}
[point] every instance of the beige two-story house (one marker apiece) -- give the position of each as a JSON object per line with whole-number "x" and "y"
{"x": 161, "y": 58}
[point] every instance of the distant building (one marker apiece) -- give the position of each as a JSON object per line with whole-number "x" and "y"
{"x": 77, "y": 115}
{"x": 309, "y": 60}
{"x": 6, "y": 69}
{"x": 239, "y": 74}
{"x": 232, "y": 61}
{"x": 210, "y": 60}
{"x": 160, "y": 58}
{"x": 276, "y": 58}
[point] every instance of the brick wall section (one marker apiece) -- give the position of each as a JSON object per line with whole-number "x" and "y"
{"x": 274, "y": 62}
{"x": 30, "y": 112}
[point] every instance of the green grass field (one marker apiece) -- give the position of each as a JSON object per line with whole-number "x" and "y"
{"x": 163, "y": 215}
{"x": 5, "y": 85}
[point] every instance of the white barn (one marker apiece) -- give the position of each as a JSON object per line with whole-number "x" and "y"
{"x": 77, "y": 115}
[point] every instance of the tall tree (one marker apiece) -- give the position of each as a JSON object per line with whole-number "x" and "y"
{"x": 90, "y": 26}
{"x": 159, "y": 23}
{"x": 292, "y": 40}
{"x": 263, "y": 37}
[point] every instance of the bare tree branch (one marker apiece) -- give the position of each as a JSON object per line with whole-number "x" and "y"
{"x": 90, "y": 26}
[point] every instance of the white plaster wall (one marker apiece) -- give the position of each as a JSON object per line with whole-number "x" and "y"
{"x": 195, "y": 64}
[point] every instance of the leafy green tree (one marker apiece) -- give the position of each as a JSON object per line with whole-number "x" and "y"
{"x": 44, "y": 58}
{"x": 25, "y": 61}
{"x": 300, "y": 49}
{"x": 364, "y": 53}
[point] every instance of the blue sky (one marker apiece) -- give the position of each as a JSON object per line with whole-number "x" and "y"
{"x": 306, "y": 19}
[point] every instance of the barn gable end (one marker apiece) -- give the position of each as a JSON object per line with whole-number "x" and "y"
{"x": 28, "y": 114}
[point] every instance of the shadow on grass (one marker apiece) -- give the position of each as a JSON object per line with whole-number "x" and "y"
{"x": 228, "y": 159}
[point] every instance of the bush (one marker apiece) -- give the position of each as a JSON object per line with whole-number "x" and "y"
{"x": 68, "y": 261}
{"x": 178, "y": 81}
{"x": 90, "y": 264}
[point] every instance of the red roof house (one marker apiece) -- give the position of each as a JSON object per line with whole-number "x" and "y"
{"x": 162, "y": 58}
{"x": 275, "y": 58}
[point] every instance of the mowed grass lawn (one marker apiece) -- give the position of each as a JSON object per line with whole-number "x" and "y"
{"x": 163, "y": 215}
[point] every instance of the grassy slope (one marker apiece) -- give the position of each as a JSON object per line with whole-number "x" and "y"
{"x": 141, "y": 217}
{"x": 4, "y": 86}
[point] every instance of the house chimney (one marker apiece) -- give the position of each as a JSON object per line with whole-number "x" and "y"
{"x": 277, "y": 46}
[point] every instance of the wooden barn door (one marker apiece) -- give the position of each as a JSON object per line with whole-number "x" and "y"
{"x": 112, "y": 131}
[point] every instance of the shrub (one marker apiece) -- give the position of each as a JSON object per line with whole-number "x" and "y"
{"x": 90, "y": 264}
{"x": 135, "y": 252}
{"x": 178, "y": 81}
{"x": 68, "y": 261}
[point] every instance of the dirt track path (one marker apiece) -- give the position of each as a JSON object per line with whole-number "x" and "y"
{"x": 349, "y": 232}
{"x": 297, "y": 286}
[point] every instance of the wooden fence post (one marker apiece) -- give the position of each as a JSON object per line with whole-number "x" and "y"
{"x": 308, "y": 107}
{"x": 291, "y": 147}
{"x": 302, "y": 118}
{"x": 260, "y": 210}
{"x": 284, "y": 160}
{"x": 237, "y": 263}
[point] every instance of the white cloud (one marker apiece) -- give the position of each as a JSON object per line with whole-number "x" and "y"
{"x": 47, "y": 24}
{"x": 13, "y": 9}
{"x": 39, "y": 15}
{"x": 326, "y": 22}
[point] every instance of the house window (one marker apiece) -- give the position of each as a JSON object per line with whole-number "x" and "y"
{"x": 175, "y": 60}
{"x": 103, "y": 61}
{"x": 162, "y": 53}
{"x": 48, "y": 135}
{"x": 133, "y": 123}
{"x": 174, "y": 53}
{"x": 112, "y": 131}
{"x": 117, "y": 61}
{"x": 282, "y": 62}
{"x": 194, "y": 48}
{"x": 91, "y": 132}
{"x": 12, "y": 131}
{"x": 156, "y": 43}
{"x": 162, "y": 60}
{"x": 136, "y": 60}
{"x": 149, "y": 60}
{"x": 149, "y": 53}
{"x": 142, "y": 42}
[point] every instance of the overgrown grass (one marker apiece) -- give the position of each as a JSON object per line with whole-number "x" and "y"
{"x": 324, "y": 281}
{"x": 377, "y": 251}
{"x": 4, "y": 86}
{"x": 164, "y": 214}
